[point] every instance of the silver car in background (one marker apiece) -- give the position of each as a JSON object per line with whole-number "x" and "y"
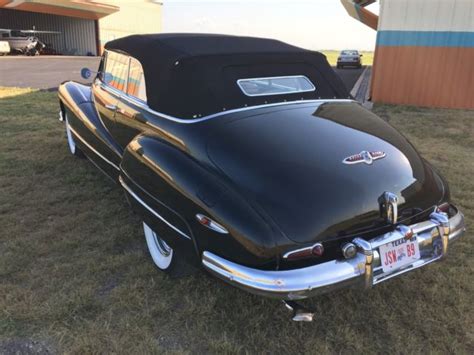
{"x": 349, "y": 58}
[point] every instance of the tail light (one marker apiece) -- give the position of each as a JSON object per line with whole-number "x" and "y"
{"x": 318, "y": 249}
{"x": 443, "y": 208}
{"x": 209, "y": 223}
{"x": 303, "y": 253}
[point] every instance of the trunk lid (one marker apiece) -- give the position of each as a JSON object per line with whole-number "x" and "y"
{"x": 290, "y": 162}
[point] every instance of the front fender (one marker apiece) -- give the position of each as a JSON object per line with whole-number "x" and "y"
{"x": 92, "y": 136}
{"x": 73, "y": 99}
{"x": 179, "y": 187}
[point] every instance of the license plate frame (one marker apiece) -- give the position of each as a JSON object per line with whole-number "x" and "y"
{"x": 399, "y": 253}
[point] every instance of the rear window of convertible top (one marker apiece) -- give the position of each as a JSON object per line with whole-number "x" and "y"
{"x": 275, "y": 85}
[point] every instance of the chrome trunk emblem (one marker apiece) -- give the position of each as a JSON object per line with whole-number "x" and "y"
{"x": 364, "y": 157}
{"x": 388, "y": 204}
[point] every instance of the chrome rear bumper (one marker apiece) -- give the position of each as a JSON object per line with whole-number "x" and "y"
{"x": 434, "y": 236}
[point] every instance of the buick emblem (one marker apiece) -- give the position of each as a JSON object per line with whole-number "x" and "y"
{"x": 364, "y": 157}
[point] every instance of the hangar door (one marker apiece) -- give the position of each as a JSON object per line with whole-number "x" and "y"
{"x": 77, "y": 36}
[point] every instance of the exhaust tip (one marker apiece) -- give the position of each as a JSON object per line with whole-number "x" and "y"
{"x": 302, "y": 316}
{"x": 300, "y": 313}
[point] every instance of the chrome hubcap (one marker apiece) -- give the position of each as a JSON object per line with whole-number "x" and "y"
{"x": 163, "y": 248}
{"x": 160, "y": 251}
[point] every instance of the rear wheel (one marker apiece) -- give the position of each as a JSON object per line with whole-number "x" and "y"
{"x": 164, "y": 257}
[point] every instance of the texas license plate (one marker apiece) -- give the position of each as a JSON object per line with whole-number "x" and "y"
{"x": 399, "y": 253}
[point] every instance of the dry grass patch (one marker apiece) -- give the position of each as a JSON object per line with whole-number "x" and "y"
{"x": 75, "y": 274}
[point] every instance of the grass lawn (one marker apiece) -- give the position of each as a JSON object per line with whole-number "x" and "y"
{"x": 367, "y": 57}
{"x": 75, "y": 274}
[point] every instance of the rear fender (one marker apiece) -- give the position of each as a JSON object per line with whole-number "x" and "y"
{"x": 178, "y": 187}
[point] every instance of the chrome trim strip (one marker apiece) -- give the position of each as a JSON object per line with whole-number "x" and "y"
{"x": 156, "y": 214}
{"x": 91, "y": 148}
{"x": 291, "y": 252}
{"x": 145, "y": 107}
{"x": 277, "y": 93}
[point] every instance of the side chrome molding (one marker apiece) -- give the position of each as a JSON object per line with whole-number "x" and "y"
{"x": 78, "y": 136}
{"x": 126, "y": 187}
{"x": 151, "y": 210}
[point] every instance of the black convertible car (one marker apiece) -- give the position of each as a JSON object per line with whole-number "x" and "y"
{"x": 247, "y": 156}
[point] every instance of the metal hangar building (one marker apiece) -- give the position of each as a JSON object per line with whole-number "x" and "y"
{"x": 83, "y": 25}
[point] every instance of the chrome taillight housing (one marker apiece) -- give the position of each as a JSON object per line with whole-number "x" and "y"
{"x": 211, "y": 224}
{"x": 444, "y": 208}
{"x": 303, "y": 253}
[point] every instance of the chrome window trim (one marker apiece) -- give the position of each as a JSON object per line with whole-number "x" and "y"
{"x": 128, "y": 77}
{"x": 278, "y": 93}
{"x": 145, "y": 106}
{"x": 128, "y": 71}
{"x": 156, "y": 214}
{"x": 92, "y": 148}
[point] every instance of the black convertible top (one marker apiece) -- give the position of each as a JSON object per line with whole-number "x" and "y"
{"x": 194, "y": 75}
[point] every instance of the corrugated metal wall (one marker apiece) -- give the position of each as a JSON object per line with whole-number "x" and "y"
{"x": 425, "y": 53}
{"x": 77, "y": 36}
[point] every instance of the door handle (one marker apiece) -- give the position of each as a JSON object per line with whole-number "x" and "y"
{"x": 111, "y": 107}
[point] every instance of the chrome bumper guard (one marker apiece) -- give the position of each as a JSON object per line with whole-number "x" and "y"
{"x": 434, "y": 236}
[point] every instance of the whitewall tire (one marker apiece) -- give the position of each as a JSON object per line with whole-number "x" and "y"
{"x": 161, "y": 253}
{"x": 70, "y": 140}
{"x": 168, "y": 260}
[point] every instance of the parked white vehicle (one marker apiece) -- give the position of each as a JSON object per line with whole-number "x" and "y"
{"x": 4, "y": 47}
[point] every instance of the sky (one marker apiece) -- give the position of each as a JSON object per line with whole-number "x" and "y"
{"x": 312, "y": 24}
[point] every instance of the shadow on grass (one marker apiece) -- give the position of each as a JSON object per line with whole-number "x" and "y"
{"x": 75, "y": 273}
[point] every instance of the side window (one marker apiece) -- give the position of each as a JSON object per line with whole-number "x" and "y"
{"x": 116, "y": 70}
{"x": 136, "y": 81}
